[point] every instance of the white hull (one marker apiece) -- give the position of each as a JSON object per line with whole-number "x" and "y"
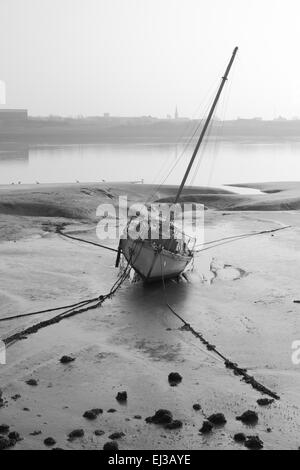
{"x": 152, "y": 264}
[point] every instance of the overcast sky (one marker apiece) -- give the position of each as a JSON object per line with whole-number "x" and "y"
{"x": 137, "y": 57}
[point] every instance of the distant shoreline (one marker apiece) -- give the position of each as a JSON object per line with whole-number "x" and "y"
{"x": 77, "y": 131}
{"x": 57, "y": 141}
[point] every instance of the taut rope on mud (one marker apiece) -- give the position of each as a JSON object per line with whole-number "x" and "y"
{"x": 72, "y": 310}
{"x": 233, "y": 238}
{"x": 210, "y": 347}
{"x": 75, "y": 309}
{"x": 228, "y": 364}
{"x": 63, "y": 234}
{"x": 39, "y": 312}
{"x": 89, "y": 304}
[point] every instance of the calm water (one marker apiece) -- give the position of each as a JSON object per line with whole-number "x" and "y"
{"x": 221, "y": 163}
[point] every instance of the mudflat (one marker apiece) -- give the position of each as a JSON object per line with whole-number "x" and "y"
{"x": 240, "y": 296}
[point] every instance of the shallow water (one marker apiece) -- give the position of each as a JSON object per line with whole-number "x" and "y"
{"x": 218, "y": 163}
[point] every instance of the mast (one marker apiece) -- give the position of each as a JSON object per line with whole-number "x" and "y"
{"x": 208, "y": 119}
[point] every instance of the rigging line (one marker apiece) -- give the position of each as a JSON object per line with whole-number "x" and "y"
{"x": 238, "y": 237}
{"x": 246, "y": 234}
{"x": 204, "y": 147}
{"x": 211, "y": 91}
{"x": 197, "y": 127}
{"x": 64, "y": 234}
{"x": 200, "y": 158}
{"x": 209, "y": 132}
{"x": 221, "y": 130}
{"x": 174, "y": 165}
{"x": 215, "y": 139}
{"x": 191, "y": 124}
{"x": 198, "y": 252}
{"x": 202, "y": 153}
{"x": 204, "y": 129}
{"x": 205, "y": 102}
{"x": 163, "y": 180}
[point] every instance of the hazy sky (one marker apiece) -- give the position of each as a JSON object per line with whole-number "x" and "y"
{"x": 136, "y": 57}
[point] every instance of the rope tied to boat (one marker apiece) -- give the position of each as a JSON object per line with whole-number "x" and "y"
{"x": 89, "y": 304}
{"x": 225, "y": 240}
{"x": 247, "y": 378}
{"x": 67, "y": 235}
{"x": 72, "y": 309}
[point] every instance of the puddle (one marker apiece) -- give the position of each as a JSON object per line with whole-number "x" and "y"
{"x": 225, "y": 272}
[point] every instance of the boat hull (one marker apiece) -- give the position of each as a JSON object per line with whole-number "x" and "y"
{"x": 151, "y": 264}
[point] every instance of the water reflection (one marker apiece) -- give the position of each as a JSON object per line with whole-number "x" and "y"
{"x": 218, "y": 163}
{"x": 10, "y": 156}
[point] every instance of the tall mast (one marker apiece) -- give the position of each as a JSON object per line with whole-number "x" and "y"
{"x": 208, "y": 119}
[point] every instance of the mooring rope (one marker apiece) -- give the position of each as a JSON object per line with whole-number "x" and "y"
{"x": 89, "y": 304}
{"x": 43, "y": 324}
{"x": 39, "y": 312}
{"x": 73, "y": 309}
{"x": 210, "y": 347}
{"x": 81, "y": 307}
{"x": 224, "y": 240}
{"x": 64, "y": 234}
{"x": 228, "y": 364}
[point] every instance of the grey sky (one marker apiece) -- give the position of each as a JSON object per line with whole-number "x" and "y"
{"x": 135, "y": 57}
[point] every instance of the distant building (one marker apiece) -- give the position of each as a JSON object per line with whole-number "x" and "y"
{"x": 176, "y": 113}
{"x": 106, "y": 115}
{"x": 13, "y": 116}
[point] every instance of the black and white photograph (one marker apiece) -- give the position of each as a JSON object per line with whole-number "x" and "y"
{"x": 149, "y": 228}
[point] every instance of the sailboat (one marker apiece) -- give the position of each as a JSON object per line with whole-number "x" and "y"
{"x": 156, "y": 258}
